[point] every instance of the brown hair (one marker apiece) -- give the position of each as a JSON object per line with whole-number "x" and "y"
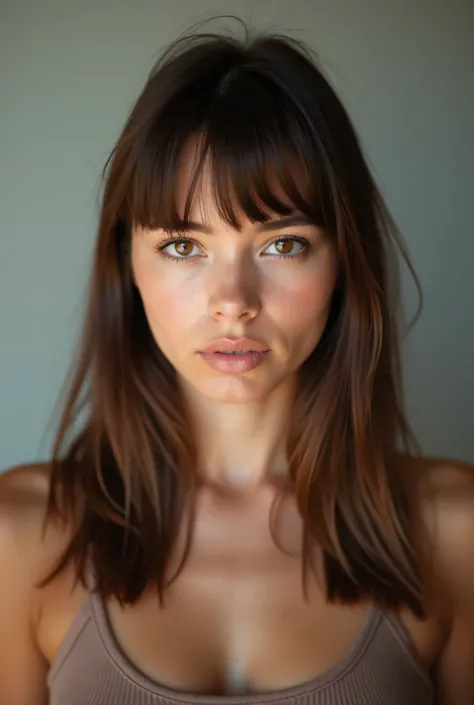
{"x": 126, "y": 478}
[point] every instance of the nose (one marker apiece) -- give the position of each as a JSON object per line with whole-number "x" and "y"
{"x": 234, "y": 292}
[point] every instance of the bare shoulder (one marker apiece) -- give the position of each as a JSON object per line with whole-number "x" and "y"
{"x": 446, "y": 492}
{"x": 441, "y": 478}
{"x": 30, "y": 548}
{"x": 24, "y": 486}
{"x": 23, "y": 502}
{"x": 24, "y": 552}
{"x": 23, "y": 499}
{"x": 443, "y": 492}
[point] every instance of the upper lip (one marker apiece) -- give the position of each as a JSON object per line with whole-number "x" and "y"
{"x": 235, "y": 345}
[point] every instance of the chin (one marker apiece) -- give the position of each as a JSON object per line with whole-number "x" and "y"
{"x": 233, "y": 389}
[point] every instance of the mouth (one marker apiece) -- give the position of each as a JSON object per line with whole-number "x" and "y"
{"x": 234, "y": 355}
{"x": 234, "y": 352}
{"x": 235, "y": 346}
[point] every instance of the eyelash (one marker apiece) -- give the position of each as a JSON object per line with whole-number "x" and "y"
{"x": 294, "y": 238}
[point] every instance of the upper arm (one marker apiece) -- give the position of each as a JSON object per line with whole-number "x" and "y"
{"x": 452, "y": 524}
{"x": 23, "y": 669}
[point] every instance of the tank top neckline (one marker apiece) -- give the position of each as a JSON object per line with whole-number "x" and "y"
{"x": 132, "y": 672}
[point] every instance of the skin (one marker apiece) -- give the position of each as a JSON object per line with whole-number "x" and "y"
{"x": 235, "y": 620}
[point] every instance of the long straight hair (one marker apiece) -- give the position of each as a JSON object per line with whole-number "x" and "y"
{"x": 262, "y": 113}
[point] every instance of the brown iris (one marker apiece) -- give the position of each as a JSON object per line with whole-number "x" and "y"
{"x": 284, "y": 247}
{"x": 183, "y": 247}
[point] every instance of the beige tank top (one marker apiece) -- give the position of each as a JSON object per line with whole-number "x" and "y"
{"x": 380, "y": 668}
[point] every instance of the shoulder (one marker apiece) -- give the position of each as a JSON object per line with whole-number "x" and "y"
{"x": 24, "y": 485}
{"x": 447, "y": 505}
{"x": 442, "y": 492}
{"x": 31, "y": 543}
{"x": 28, "y": 546}
{"x": 23, "y": 501}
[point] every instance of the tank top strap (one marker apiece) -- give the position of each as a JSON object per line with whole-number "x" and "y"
{"x": 400, "y": 632}
{"x": 83, "y": 616}
{"x": 73, "y": 633}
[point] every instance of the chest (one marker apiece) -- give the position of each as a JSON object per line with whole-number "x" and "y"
{"x": 236, "y": 628}
{"x": 236, "y": 619}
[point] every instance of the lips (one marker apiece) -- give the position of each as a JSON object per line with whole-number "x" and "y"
{"x": 235, "y": 346}
{"x": 234, "y": 355}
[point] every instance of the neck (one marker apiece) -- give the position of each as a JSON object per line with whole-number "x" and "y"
{"x": 241, "y": 445}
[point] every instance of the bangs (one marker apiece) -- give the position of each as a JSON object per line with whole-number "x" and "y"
{"x": 263, "y": 154}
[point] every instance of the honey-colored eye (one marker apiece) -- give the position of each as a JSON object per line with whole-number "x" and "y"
{"x": 183, "y": 247}
{"x": 286, "y": 247}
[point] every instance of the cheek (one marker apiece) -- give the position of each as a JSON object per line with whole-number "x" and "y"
{"x": 170, "y": 303}
{"x": 301, "y": 307}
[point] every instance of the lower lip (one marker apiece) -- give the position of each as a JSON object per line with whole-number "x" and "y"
{"x": 234, "y": 364}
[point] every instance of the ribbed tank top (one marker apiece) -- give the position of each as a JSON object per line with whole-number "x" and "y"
{"x": 379, "y": 668}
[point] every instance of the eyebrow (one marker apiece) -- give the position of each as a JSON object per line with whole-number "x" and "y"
{"x": 267, "y": 226}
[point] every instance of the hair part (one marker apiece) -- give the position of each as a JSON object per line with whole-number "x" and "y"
{"x": 277, "y": 138}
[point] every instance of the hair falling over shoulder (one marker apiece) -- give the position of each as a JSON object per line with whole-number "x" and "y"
{"x": 125, "y": 475}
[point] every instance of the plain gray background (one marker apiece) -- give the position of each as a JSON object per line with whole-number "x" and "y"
{"x": 70, "y": 72}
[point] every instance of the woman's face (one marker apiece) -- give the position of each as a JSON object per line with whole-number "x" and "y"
{"x": 271, "y": 284}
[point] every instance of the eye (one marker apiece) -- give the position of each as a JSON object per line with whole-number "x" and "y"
{"x": 180, "y": 248}
{"x": 287, "y": 247}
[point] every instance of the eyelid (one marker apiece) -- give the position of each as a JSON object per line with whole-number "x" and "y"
{"x": 176, "y": 238}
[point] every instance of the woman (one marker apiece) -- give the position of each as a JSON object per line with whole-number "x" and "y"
{"x": 226, "y": 517}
